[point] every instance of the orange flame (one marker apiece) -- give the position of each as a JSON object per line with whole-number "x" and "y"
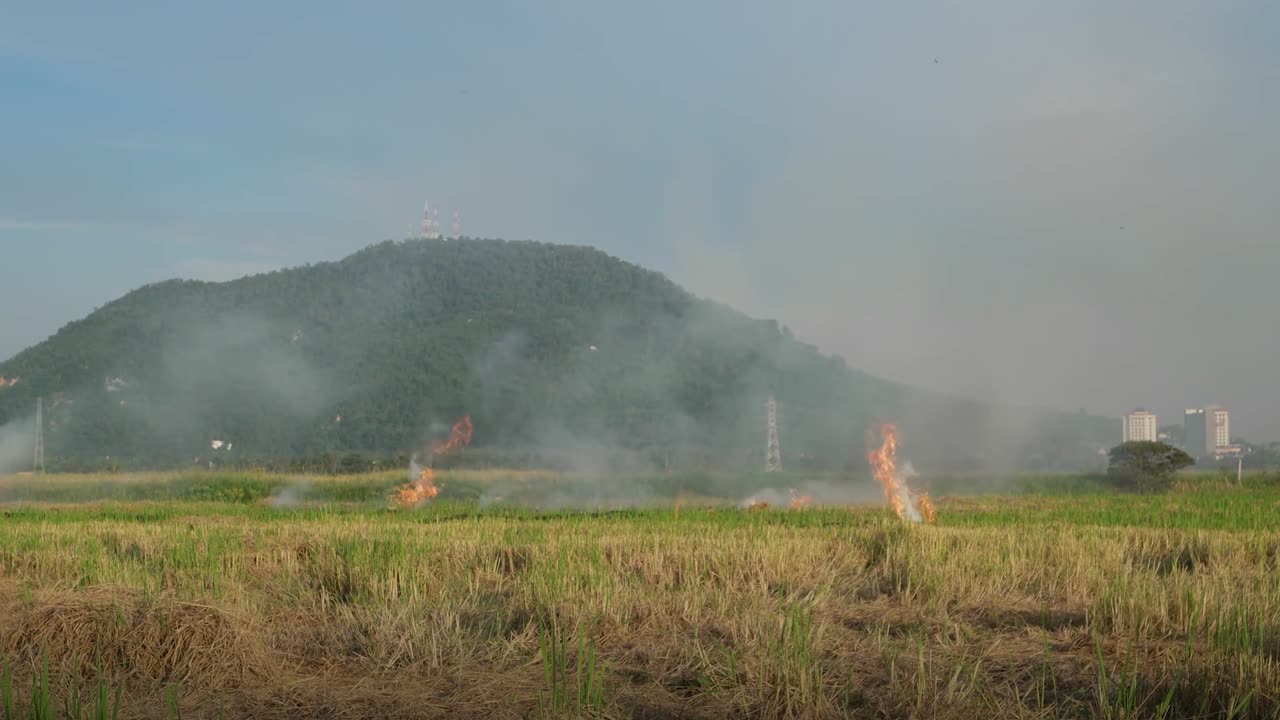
{"x": 799, "y": 502}
{"x": 459, "y": 436}
{"x": 424, "y": 487}
{"x": 884, "y": 466}
{"x": 7, "y": 382}
{"x": 927, "y": 510}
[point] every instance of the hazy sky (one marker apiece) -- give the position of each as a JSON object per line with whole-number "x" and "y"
{"x": 1073, "y": 205}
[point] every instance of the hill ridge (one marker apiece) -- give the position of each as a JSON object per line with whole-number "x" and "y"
{"x": 554, "y": 347}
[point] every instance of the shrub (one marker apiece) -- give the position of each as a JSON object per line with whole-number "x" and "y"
{"x": 1145, "y": 466}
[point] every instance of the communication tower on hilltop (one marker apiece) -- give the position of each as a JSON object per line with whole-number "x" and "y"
{"x": 457, "y": 225}
{"x": 430, "y": 222}
{"x": 37, "y": 463}
{"x": 772, "y": 452}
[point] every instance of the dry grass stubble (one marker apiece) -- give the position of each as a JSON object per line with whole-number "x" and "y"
{"x": 384, "y": 616}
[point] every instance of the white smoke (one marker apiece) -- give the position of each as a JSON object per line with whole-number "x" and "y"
{"x": 17, "y": 443}
{"x": 819, "y": 492}
{"x": 288, "y": 496}
{"x": 769, "y": 496}
{"x": 910, "y": 501}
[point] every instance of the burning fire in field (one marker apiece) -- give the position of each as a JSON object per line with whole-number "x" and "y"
{"x": 770, "y": 497}
{"x": 420, "y": 490}
{"x": 422, "y": 481}
{"x": 906, "y": 503}
{"x": 459, "y": 436}
{"x": 799, "y": 502}
{"x": 926, "y": 507}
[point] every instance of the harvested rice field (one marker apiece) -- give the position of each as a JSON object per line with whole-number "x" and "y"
{"x": 167, "y": 596}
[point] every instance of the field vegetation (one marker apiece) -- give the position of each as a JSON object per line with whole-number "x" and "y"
{"x": 254, "y": 595}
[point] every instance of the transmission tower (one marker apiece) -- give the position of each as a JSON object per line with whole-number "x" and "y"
{"x": 37, "y": 464}
{"x": 772, "y": 452}
{"x": 457, "y": 225}
{"x": 430, "y": 222}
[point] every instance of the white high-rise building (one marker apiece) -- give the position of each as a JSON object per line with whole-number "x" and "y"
{"x": 1218, "y": 427}
{"x": 1140, "y": 426}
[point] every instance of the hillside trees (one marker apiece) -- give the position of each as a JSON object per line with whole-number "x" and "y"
{"x": 554, "y": 350}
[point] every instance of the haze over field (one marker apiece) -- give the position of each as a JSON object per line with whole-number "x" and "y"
{"x": 564, "y": 357}
{"x": 1066, "y": 206}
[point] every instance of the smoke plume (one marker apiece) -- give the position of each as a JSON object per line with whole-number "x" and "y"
{"x": 17, "y": 441}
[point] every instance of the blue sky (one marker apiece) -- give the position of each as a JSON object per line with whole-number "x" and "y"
{"x": 1063, "y": 204}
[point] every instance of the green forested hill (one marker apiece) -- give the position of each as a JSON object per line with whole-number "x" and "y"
{"x": 562, "y": 351}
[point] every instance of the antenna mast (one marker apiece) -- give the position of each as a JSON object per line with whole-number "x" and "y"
{"x": 457, "y": 225}
{"x": 37, "y": 463}
{"x": 430, "y": 222}
{"x": 772, "y": 451}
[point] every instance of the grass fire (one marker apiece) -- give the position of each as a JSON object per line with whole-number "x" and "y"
{"x": 906, "y": 503}
{"x": 182, "y": 590}
{"x": 422, "y": 482}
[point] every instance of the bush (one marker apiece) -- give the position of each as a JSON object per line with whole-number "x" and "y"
{"x": 1145, "y": 466}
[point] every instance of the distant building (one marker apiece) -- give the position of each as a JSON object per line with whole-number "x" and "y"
{"x": 1140, "y": 426}
{"x": 1208, "y": 432}
{"x": 1218, "y": 422}
{"x": 1195, "y": 432}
